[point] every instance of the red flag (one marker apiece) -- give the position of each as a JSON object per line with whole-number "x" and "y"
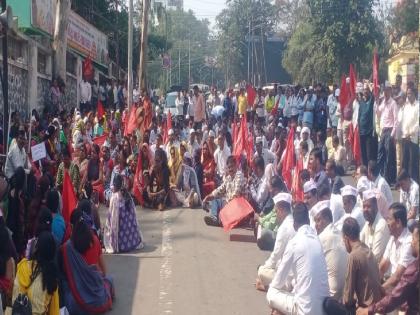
{"x": 344, "y": 94}
{"x": 353, "y": 81}
{"x": 289, "y": 159}
{"x": 250, "y": 95}
{"x": 297, "y": 191}
{"x": 130, "y": 122}
{"x": 69, "y": 197}
{"x": 100, "y": 140}
{"x": 87, "y": 68}
{"x": 357, "y": 154}
{"x": 138, "y": 184}
{"x": 100, "y": 109}
{"x": 234, "y": 212}
{"x": 375, "y": 74}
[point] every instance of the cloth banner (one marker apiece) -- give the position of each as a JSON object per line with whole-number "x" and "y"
{"x": 234, "y": 212}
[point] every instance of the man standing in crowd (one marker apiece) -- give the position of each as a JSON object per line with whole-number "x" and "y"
{"x": 387, "y": 113}
{"x": 410, "y": 134}
{"x": 17, "y": 157}
{"x": 199, "y": 108}
{"x": 85, "y": 95}
{"x": 366, "y": 128}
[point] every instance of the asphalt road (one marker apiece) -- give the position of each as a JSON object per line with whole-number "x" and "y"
{"x": 188, "y": 268}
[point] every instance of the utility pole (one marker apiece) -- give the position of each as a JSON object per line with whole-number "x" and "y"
{"x": 60, "y": 39}
{"x": 249, "y": 34}
{"x": 189, "y": 62}
{"x": 143, "y": 45}
{"x": 5, "y": 85}
{"x": 117, "y": 44}
{"x": 130, "y": 54}
{"x": 179, "y": 66}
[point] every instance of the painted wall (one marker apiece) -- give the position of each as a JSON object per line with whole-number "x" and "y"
{"x": 18, "y": 90}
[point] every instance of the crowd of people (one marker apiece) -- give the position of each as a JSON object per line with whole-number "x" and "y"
{"x": 335, "y": 248}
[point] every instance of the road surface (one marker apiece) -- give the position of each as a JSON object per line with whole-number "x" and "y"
{"x": 188, "y": 268}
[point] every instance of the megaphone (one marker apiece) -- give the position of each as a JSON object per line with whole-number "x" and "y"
{"x": 6, "y": 18}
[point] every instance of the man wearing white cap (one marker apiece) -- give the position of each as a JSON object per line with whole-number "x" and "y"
{"x": 375, "y": 234}
{"x": 334, "y": 201}
{"x": 285, "y": 232}
{"x": 303, "y": 257}
{"x": 351, "y": 208}
{"x": 305, "y": 135}
{"x": 333, "y": 247}
{"x": 268, "y": 156}
{"x": 378, "y": 181}
{"x": 310, "y": 196}
{"x": 387, "y": 113}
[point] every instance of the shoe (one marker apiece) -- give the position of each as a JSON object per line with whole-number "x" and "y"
{"x": 211, "y": 220}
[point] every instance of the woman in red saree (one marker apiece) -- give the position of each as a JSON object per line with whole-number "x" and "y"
{"x": 209, "y": 170}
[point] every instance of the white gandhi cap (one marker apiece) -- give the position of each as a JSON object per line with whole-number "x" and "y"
{"x": 348, "y": 191}
{"x": 282, "y": 197}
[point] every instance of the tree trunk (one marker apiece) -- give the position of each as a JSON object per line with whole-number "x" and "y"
{"x": 143, "y": 45}
{"x": 60, "y": 38}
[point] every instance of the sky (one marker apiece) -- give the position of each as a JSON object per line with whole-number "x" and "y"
{"x": 205, "y": 9}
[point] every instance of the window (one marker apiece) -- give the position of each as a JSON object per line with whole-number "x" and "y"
{"x": 42, "y": 63}
{"x": 71, "y": 63}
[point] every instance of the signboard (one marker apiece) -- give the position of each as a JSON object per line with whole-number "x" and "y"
{"x": 38, "y": 151}
{"x": 87, "y": 39}
{"x": 81, "y": 35}
{"x": 43, "y": 15}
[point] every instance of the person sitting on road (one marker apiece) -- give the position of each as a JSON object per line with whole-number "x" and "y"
{"x": 233, "y": 186}
{"x": 285, "y": 233}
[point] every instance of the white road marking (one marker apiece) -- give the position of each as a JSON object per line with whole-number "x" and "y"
{"x": 165, "y": 275}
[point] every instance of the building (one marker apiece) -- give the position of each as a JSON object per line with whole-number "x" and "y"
{"x": 30, "y": 55}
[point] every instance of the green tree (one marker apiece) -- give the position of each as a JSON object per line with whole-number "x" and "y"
{"x": 336, "y": 34}
{"x": 404, "y": 18}
{"x": 233, "y": 26}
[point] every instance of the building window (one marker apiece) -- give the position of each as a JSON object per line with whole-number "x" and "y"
{"x": 15, "y": 49}
{"x": 42, "y": 63}
{"x": 71, "y": 63}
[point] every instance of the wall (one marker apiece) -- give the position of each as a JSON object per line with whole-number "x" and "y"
{"x": 18, "y": 89}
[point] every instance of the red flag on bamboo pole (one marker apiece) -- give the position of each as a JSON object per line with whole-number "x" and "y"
{"x": 375, "y": 74}
{"x": 353, "y": 82}
{"x": 297, "y": 191}
{"x": 240, "y": 145}
{"x": 344, "y": 94}
{"x": 69, "y": 197}
{"x": 100, "y": 109}
{"x": 169, "y": 120}
{"x": 289, "y": 159}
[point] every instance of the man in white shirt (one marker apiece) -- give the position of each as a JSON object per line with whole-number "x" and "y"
{"x": 85, "y": 95}
{"x": 17, "y": 157}
{"x": 409, "y": 194}
{"x": 258, "y": 185}
{"x": 285, "y": 232}
{"x": 268, "y": 156}
{"x": 351, "y": 208}
{"x": 398, "y": 254}
{"x": 375, "y": 233}
{"x": 410, "y": 135}
{"x": 334, "y": 251}
{"x": 220, "y": 155}
{"x": 303, "y": 257}
{"x": 378, "y": 181}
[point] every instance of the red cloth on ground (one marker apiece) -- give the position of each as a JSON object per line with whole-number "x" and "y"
{"x": 234, "y": 212}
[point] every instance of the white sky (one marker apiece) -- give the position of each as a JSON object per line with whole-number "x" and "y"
{"x": 205, "y": 9}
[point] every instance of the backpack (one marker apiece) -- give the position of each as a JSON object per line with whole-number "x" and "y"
{"x": 22, "y": 305}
